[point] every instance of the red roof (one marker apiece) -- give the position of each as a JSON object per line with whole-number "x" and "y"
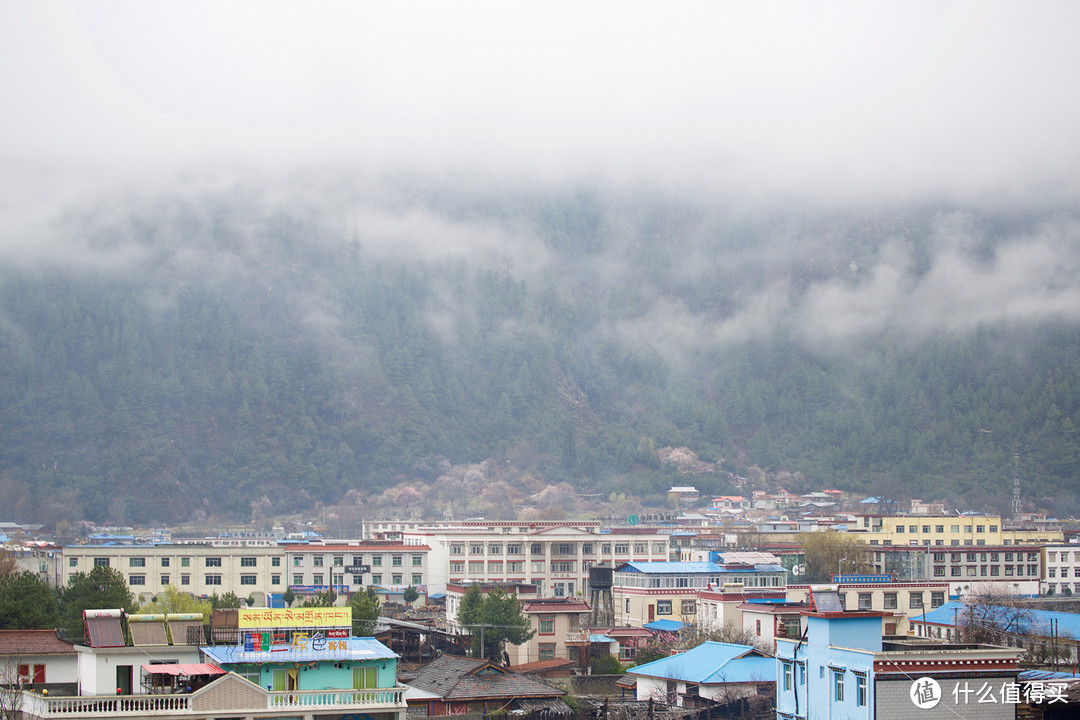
{"x": 34, "y": 642}
{"x": 183, "y": 669}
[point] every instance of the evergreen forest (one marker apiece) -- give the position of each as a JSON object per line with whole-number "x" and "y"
{"x": 254, "y": 349}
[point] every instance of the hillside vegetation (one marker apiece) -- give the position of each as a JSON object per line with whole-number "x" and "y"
{"x": 214, "y": 354}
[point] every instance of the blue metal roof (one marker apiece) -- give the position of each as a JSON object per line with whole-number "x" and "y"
{"x": 664, "y": 625}
{"x": 712, "y": 663}
{"x": 662, "y": 567}
{"x": 353, "y": 648}
{"x": 1036, "y": 621}
{"x": 601, "y": 639}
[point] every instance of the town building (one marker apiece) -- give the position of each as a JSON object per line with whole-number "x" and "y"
{"x": 38, "y": 659}
{"x": 202, "y": 569}
{"x": 710, "y": 673}
{"x": 554, "y": 556}
{"x": 389, "y": 566}
{"x": 843, "y": 668}
{"x": 1061, "y": 569}
{"x": 561, "y": 626}
{"x": 950, "y": 531}
{"x": 648, "y": 591}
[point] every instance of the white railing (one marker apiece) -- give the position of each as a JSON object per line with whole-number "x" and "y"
{"x": 39, "y": 706}
{"x": 34, "y": 705}
{"x": 337, "y": 698}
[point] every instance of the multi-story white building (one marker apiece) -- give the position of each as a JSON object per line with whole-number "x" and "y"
{"x": 201, "y": 569}
{"x": 1061, "y": 569}
{"x": 554, "y": 556}
{"x": 391, "y": 567}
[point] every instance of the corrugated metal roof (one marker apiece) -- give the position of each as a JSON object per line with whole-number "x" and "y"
{"x": 712, "y": 663}
{"x": 661, "y": 567}
{"x": 1036, "y": 621}
{"x": 664, "y": 625}
{"x": 183, "y": 669}
{"x": 355, "y": 648}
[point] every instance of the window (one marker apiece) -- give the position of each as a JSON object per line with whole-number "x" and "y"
{"x": 838, "y": 685}
{"x": 212, "y": 579}
{"x": 376, "y": 561}
{"x": 395, "y": 560}
{"x": 364, "y": 677}
{"x": 537, "y": 549}
{"x": 275, "y": 562}
{"x": 547, "y": 625}
{"x": 317, "y": 579}
{"x": 860, "y": 690}
{"x": 514, "y": 549}
{"x": 494, "y": 548}
{"x": 787, "y": 677}
{"x": 298, "y": 561}
{"x": 357, "y": 579}
{"x": 458, "y": 567}
{"x": 164, "y": 580}
{"x": 954, "y": 528}
{"x": 101, "y": 562}
{"x": 297, "y": 579}
{"x": 954, "y": 571}
{"x": 890, "y": 601}
{"x": 622, "y": 548}
{"x": 73, "y": 562}
{"x": 641, "y": 548}
{"x": 32, "y": 673}
{"x": 476, "y": 567}
{"x": 915, "y": 600}
{"x": 339, "y": 561}
{"x": 248, "y": 561}
{"x": 605, "y": 548}
{"x": 663, "y": 607}
{"x": 457, "y": 548}
{"x": 757, "y": 628}
{"x": 185, "y": 579}
{"x": 136, "y": 579}
{"x": 937, "y": 599}
{"x": 317, "y": 561}
{"x": 913, "y": 528}
{"x": 546, "y": 651}
{"x": 376, "y": 579}
{"x": 213, "y": 562}
{"x": 275, "y": 579}
{"x": 395, "y": 579}
{"x": 993, "y": 528}
{"x": 864, "y": 601}
{"x": 939, "y": 571}
{"x": 247, "y": 579}
{"x": 564, "y": 549}
{"x": 586, "y": 548}
{"x": 900, "y": 529}
{"x": 658, "y": 548}
{"x": 476, "y": 548}
{"x": 939, "y": 528}
{"x": 689, "y": 607}
{"x": 164, "y": 562}
{"x": 136, "y": 562}
{"x": 417, "y": 579}
{"x": 563, "y": 567}
{"x": 417, "y": 560}
{"x": 980, "y": 528}
{"x": 926, "y": 528}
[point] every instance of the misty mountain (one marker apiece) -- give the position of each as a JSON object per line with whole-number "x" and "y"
{"x": 181, "y": 354}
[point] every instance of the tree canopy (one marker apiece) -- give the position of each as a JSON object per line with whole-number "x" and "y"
{"x": 365, "y": 611}
{"x": 27, "y": 603}
{"x": 101, "y": 588}
{"x": 492, "y": 619}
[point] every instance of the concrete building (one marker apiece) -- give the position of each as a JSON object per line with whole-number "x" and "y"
{"x": 844, "y": 669}
{"x": 648, "y": 591}
{"x": 709, "y": 673}
{"x": 950, "y": 531}
{"x": 201, "y": 569}
{"x": 389, "y": 566}
{"x": 554, "y": 556}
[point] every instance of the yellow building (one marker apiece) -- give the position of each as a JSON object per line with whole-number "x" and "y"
{"x": 948, "y": 531}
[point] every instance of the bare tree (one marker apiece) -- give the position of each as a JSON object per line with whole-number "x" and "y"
{"x": 11, "y": 695}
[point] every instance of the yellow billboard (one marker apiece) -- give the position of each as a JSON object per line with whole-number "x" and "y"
{"x": 295, "y": 617}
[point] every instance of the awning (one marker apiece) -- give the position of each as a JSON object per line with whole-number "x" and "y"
{"x": 664, "y": 625}
{"x": 183, "y": 669}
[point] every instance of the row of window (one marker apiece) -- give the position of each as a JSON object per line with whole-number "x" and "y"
{"x": 376, "y": 579}
{"x": 208, "y": 579}
{"x": 941, "y": 528}
{"x": 588, "y": 548}
{"x": 167, "y": 562}
{"x": 339, "y": 560}
{"x": 994, "y": 571}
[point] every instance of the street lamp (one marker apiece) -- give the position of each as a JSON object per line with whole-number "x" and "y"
{"x": 839, "y": 568}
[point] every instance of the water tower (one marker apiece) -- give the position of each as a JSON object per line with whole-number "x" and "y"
{"x": 603, "y": 606}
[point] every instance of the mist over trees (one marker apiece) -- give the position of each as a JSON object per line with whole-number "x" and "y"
{"x": 239, "y": 353}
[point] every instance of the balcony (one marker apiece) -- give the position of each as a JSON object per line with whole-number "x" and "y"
{"x": 217, "y": 698}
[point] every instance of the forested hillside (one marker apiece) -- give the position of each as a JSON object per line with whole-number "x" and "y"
{"x": 190, "y": 353}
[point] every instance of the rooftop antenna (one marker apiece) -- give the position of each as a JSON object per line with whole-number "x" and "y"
{"x": 1016, "y": 487}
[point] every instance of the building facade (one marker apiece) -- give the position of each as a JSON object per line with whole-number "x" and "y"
{"x": 553, "y": 556}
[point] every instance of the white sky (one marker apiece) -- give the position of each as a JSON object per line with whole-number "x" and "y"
{"x": 843, "y": 98}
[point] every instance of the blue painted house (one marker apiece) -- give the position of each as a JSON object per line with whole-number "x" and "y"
{"x": 843, "y": 669}
{"x": 712, "y": 671}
